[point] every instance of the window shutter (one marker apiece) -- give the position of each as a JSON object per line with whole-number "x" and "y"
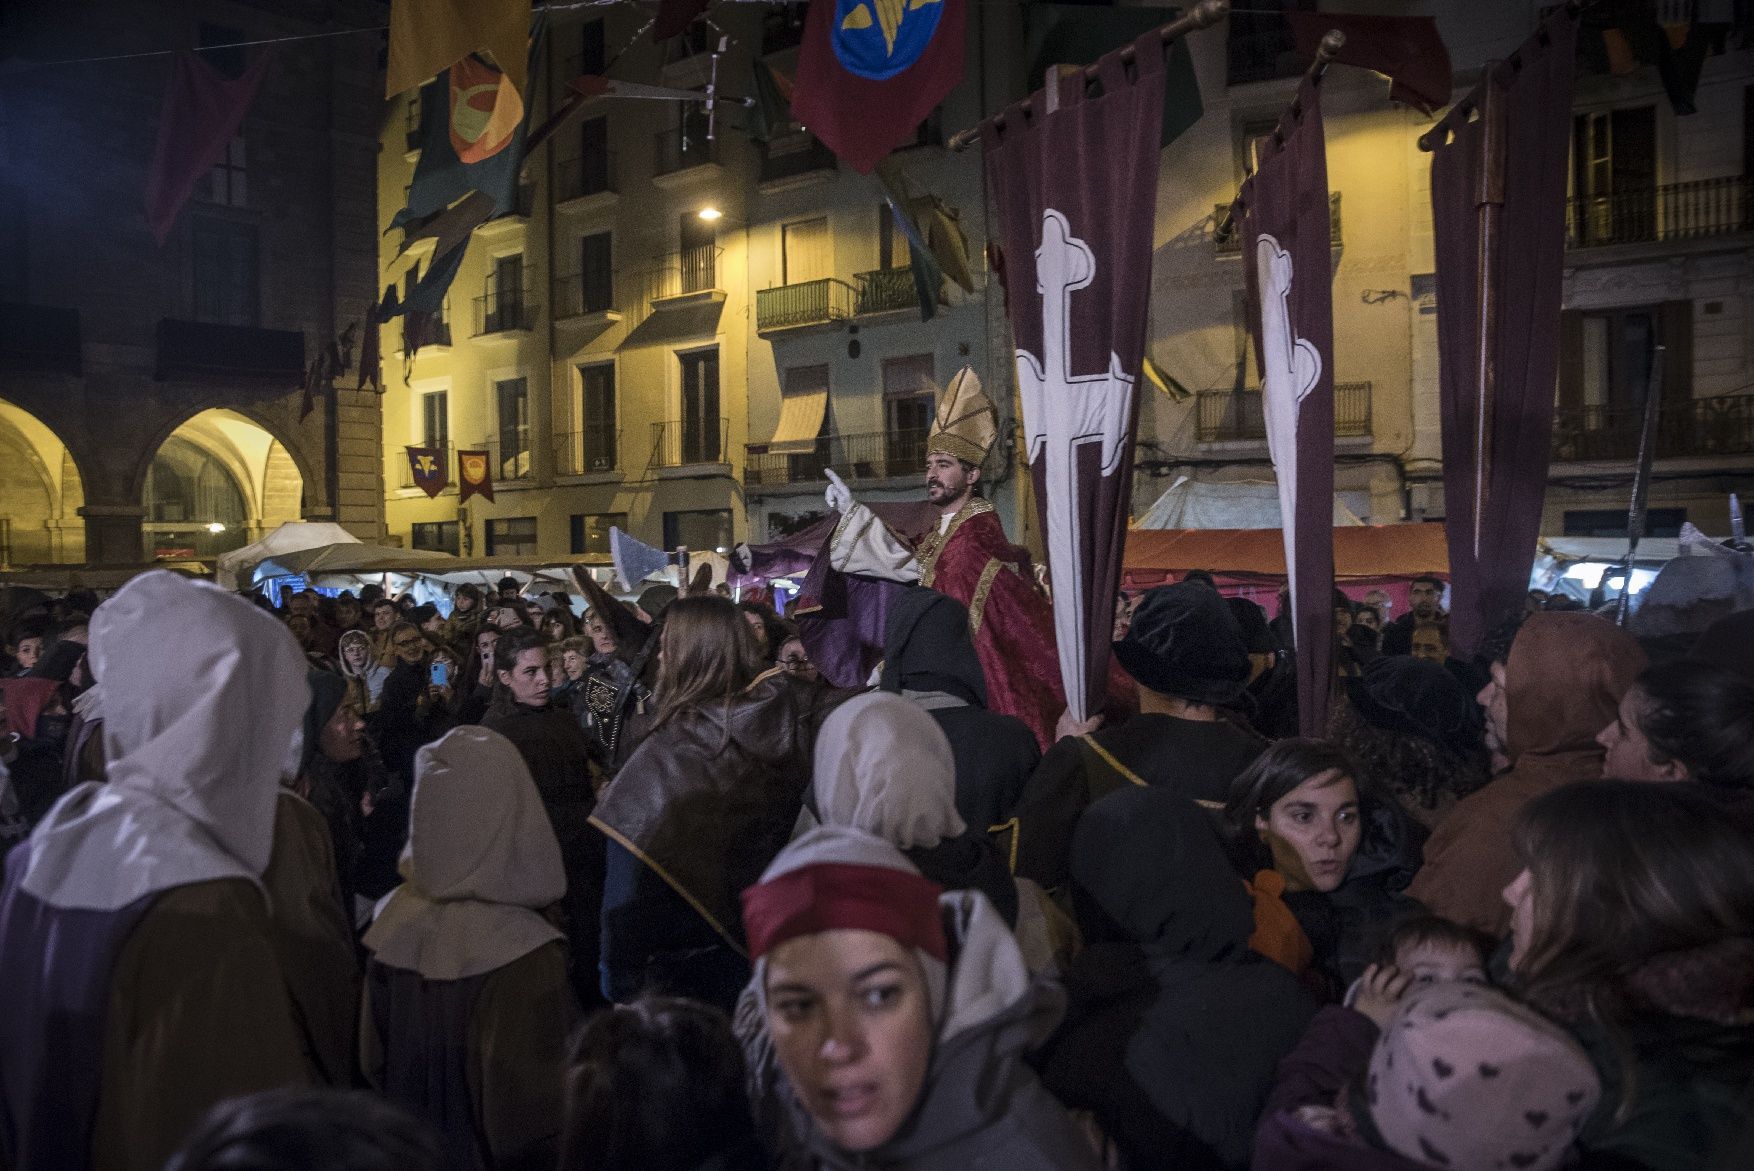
{"x": 1570, "y": 360}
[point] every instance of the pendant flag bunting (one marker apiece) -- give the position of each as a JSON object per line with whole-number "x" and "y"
{"x": 1407, "y": 49}
{"x": 431, "y": 473}
{"x": 634, "y": 559}
{"x": 202, "y": 113}
{"x": 1289, "y": 273}
{"x": 429, "y": 36}
{"x": 474, "y": 476}
{"x": 870, "y": 71}
{"x": 1498, "y": 209}
{"x": 1075, "y": 191}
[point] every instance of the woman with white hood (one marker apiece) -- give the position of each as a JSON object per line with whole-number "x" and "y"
{"x": 887, "y": 1020}
{"x": 136, "y": 946}
{"x": 467, "y": 1005}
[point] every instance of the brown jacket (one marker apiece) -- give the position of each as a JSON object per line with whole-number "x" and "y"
{"x": 1564, "y": 681}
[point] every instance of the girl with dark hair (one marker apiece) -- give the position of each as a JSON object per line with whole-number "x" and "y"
{"x": 297, "y": 1129}
{"x": 1684, "y": 720}
{"x": 1632, "y": 923}
{"x": 558, "y": 625}
{"x": 635, "y": 1073}
{"x": 1303, "y": 830}
{"x": 703, "y": 804}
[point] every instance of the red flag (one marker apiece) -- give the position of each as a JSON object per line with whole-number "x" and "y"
{"x": 1289, "y": 273}
{"x": 1406, "y": 48}
{"x": 674, "y": 17}
{"x": 475, "y": 475}
{"x": 870, "y": 71}
{"x": 201, "y": 115}
{"x": 1075, "y": 191}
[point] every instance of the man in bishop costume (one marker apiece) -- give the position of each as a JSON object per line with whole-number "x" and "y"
{"x": 968, "y": 558}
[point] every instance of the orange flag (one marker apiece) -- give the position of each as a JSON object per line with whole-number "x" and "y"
{"x": 427, "y": 36}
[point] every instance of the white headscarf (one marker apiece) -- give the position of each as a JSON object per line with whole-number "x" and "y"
{"x": 203, "y": 695}
{"x": 885, "y": 767}
{"x": 481, "y": 860}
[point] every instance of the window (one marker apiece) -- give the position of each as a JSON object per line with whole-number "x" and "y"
{"x": 705, "y": 529}
{"x": 802, "y": 433}
{"x": 806, "y": 254}
{"x": 596, "y": 273}
{"x": 505, "y": 294}
{"x": 439, "y": 536}
{"x": 592, "y": 48}
{"x": 590, "y": 531}
{"x": 597, "y": 417}
{"x": 702, "y": 430}
{"x": 435, "y": 418}
{"x": 228, "y": 182}
{"x": 1252, "y": 139}
{"x": 699, "y": 254}
{"x": 594, "y": 156}
{"x": 908, "y": 404}
{"x": 512, "y": 444}
{"x": 891, "y": 240}
{"x": 227, "y": 283}
{"x": 1606, "y": 356}
{"x": 1614, "y": 174}
{"x": 511, "y": 536}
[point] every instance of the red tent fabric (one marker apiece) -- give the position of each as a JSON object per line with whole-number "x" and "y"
{"x": 1360, "y": 551}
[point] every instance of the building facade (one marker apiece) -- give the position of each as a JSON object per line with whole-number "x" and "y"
{"x": 150, "y": 397}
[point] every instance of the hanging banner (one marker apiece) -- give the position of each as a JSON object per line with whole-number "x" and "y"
{"x": 431, "y": 474}
{"x": 1498, "y": 210}
{"x": 1076, "y": 192}
{"x": 474, "y": 476}
{"x": 1290, "y": 277}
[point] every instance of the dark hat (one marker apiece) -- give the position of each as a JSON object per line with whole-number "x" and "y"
{"x": 655, "y": 599}
{"x": 1414, "y": 697}
{"x": 927, "y": 647}
{"x": 1184, "y": 643}
{"x": 1257, "y": 636}
{"x": 327, "y": 691}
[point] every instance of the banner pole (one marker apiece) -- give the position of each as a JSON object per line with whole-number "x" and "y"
{"x": 1647, "y": 453}
{"x": 1489, "y": 207}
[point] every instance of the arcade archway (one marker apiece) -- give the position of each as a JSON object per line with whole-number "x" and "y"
{"x": 216, "y": 483}
{"x": 41, "y": 493}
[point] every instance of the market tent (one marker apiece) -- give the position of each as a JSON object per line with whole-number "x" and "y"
{"x": 352, "y": 557}
{"x": 1361, "y": 553}
{"x": 232, "y": 570}
{"x": 1199, "y": 504}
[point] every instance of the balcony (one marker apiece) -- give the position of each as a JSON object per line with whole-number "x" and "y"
{"x": 588, "y": 182}
{"x": 505, "y": 313}
{"x": 517, "y": 217}
{"x": 448, "y": 461}
{"x": 887, "y": 290}
{"x": 1232, "y": 244}
{"x": 1672, "y": 212}
{"x": 1718, "y": 426}
{"x": 1227, "y": 416}
{"x": 577, "y": 297}
{"x": 684, "y": 278}
{"x": 785, "y": 162}
{"x": 592, "y": 452}
{"x": 423, "y": 333}
{"x": 690, "y": 441}
{"x": 677, "y": 152}
{"x": 875, "y": 455}
{"x": 822, "y": 302}
{"x": 509, "y": 457}
{"x": 200, "y": 349}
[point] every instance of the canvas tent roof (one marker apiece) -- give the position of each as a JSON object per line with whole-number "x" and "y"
{"x": 1362, "y": 551}
{"x": 233, "y": 570}
{"x": 1236, "y": 504}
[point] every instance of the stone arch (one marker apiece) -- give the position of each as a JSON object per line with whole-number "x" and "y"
{"x": 308, "y": 471}
{"x": 41, "y": 492}
{"x": 216, "y": 481}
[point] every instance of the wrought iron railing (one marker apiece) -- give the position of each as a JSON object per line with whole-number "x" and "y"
{"x": 885, "y": 289}
{"x": 1232, "y": 415}
{"x": 785, "y": 164}
{"x": 509, "y": 455}
{"x": 582, "y": 453}
{"x": 680, "y": 274}
{"x": 807, "y": 303}
{"x": 594, "y": 173}
{"x": 1673, "y": 211}
{"x": 875, "y": 455}
{"x": 690, "y": 441}
{"x": 677, "y": 150}
{"x": 448, "y": 456}
{"x": 575, "y": 296}
{"x": 506, "y": 311}
{"x": 1231, "y": 245}
{"x": 1721, "y": 425}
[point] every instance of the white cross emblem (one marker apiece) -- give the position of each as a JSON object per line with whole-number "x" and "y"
{"x": 1064, "y": 412}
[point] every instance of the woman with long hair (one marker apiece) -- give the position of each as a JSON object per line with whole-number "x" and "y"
{"x": 701, "y": 807}
{"x": 1632, "y": 923}
{"x": 558, "y": 624}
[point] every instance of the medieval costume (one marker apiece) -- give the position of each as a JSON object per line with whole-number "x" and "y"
{"x": 466, "y": 1008}
{"x": 137, "y": 948}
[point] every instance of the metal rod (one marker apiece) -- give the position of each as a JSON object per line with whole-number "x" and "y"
{"x": 1647, "y": 454}
{"x": 1332, "y": 42}
{"x": 1459, "y": 113}
{"x": 1203, "y": 15}
{"x": 1489, "y": 208}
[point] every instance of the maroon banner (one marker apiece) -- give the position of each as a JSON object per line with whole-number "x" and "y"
{"x": 1076, "y": 192}
{"x": 1503, "y": 174}
{"x": 1289, "y": 272}
{"x": 475, "y": 475}
{"x": 201, "y": 115}
{"x": 1406, "y": 48}
{"x": 431, "y": 474}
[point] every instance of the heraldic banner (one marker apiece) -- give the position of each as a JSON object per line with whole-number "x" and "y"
{"x": 1076, "y": 192}
{"x": 1513, "y": 157}
{"x": 1287, "y": 267}
{"x": 474, "y": 476}
{"x": 431, "y": 475}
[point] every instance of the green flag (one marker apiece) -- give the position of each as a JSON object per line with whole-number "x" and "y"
{"x": 1077, "y": 34}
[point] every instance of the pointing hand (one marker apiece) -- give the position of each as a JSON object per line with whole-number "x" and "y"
{"x": 839, "y": 497}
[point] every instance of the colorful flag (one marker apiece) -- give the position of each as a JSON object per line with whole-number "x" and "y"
{"x": 1406, "y": 48}
{"x": 431, "y": 472}
{"x": 928, "y": 277}
{"x": 202, "y": 112}
{"x": 1078, "y": 34}
{"x": 429, "y": 36}
{"x": 371, "y": 350}
{"x": 1289, "y": 273}
{"x": 1075, "y": 191}
{"x": 870, "y": 71}
{"x": 475, "y": 475}
{"x": 1492, "y": 548}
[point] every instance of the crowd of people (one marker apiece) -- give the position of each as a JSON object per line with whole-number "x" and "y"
{"x": 351, "y": 882}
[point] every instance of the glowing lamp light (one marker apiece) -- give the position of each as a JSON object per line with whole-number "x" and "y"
{"x": 709, "y": 214}
{"x": 216, "y": 527}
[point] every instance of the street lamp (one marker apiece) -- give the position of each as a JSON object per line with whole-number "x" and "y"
{"x": 709, "y": 213}
{"x": 216, "y": 528}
